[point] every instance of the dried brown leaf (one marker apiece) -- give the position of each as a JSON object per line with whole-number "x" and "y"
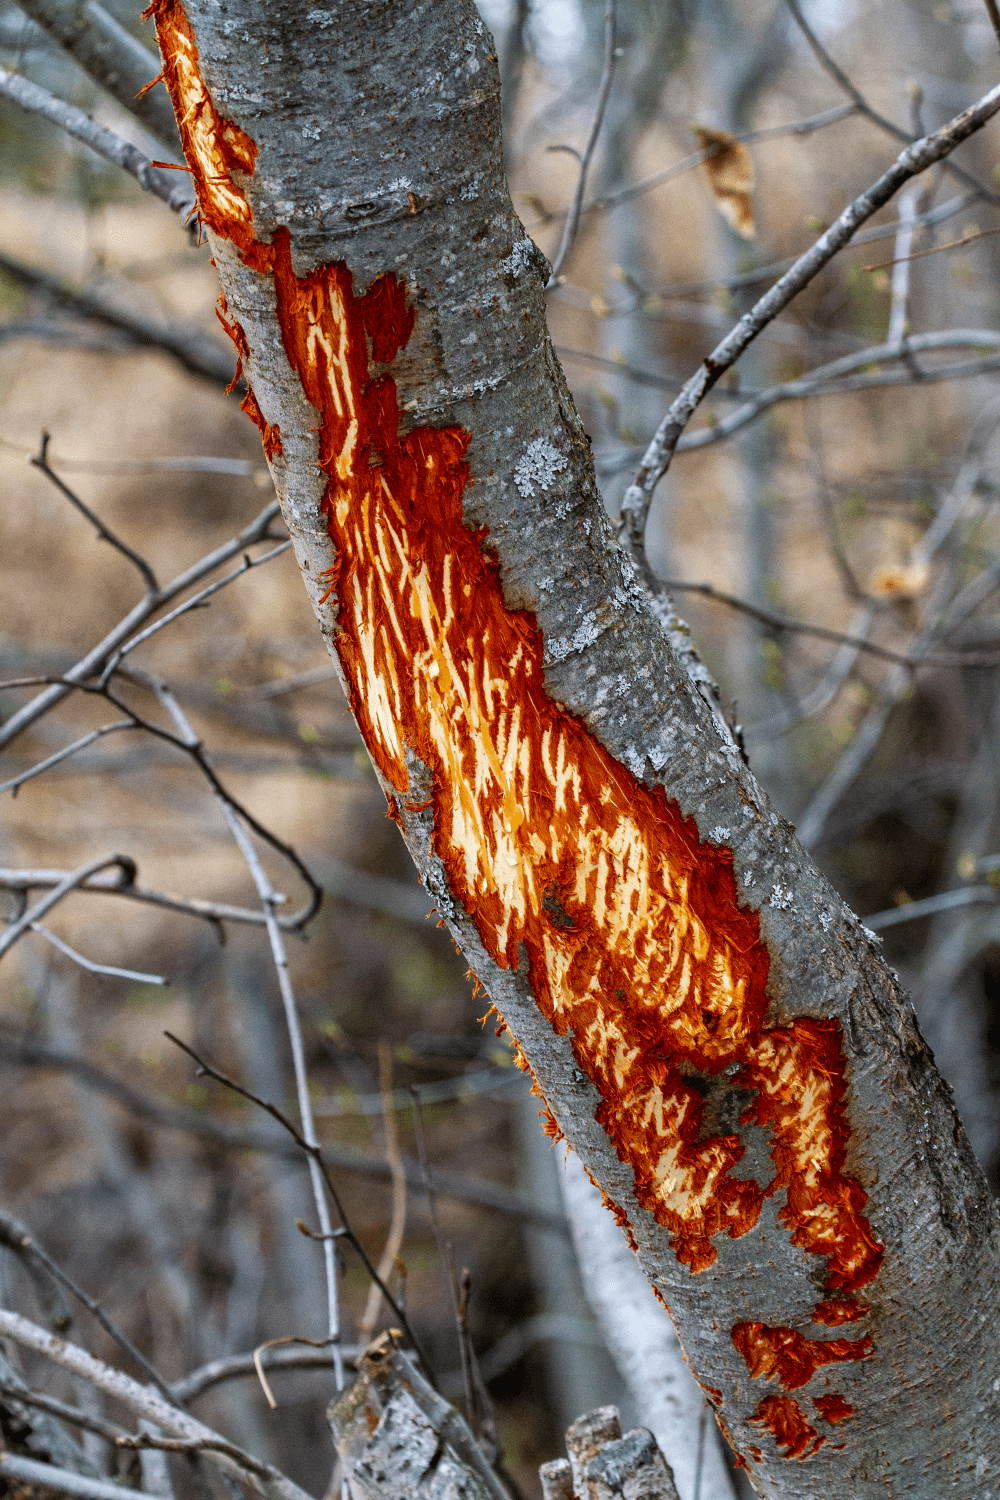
{"x": 730, "y": 176}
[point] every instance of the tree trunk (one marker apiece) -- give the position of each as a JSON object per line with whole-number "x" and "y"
{"x": 706, "y": 1021}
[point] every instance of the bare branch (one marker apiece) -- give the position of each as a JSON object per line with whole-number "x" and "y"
{"x": 96, "y": 659}
{"x": 215, "y": 912}
{"x": 14, "y": 1234}
{"x": 294, "y": 1029}
{"x": 147, "y": 1402}
{"x": 959, "y": 244}
{"x": 607, "y": 76}
{"x": 492, "y": 1196}
{"x": 118, "y": 1437}
{"x": 933, "y": 216}
{"x": 197, "y": 601}
{"x": 59, "y": 892}
{"x": 112, "y": 57}
{"x": 18, "y": 781}
{"x": 910, "y": 163}
{"x": 786, "y": 623}
{"x": 109, "y": 971}
{"x": 912, "y": 911}
{"x": 835, "y": 379}
{"x": 314, "y": 1152}
{"x": 840, "y": 78}
{"x": 397, "y": 1223}
{"x": 994, "y": 15}
{"x": 194, "y": 350}
{"x": 243, "y": 1366}
{"x": 29, "y": 1471}
{"x": 48, "y": 1290}
{"x": 696, "y": 158}
{"x": 41, "y": 461}
{"x": 283, "y": 685}
{"x": 172, "y": 188}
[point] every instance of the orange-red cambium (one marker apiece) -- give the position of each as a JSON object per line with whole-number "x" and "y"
{"x": 636, "y": 944}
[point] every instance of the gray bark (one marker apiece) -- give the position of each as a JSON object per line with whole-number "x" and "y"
{"x": 399, "y": 1440}
{"x": 666, "y": 992}
{"x": 603, "y": 1465}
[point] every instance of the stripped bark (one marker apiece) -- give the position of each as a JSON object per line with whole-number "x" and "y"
{"x": 706, "y": 1021}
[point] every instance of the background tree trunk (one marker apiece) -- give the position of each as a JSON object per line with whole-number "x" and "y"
{"x": 706, "y": 1021}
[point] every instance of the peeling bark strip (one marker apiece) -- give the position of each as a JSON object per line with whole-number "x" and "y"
{"x": 685, "y": 989}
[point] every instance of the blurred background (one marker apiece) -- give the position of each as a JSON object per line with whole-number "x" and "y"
{"x": 831, "y": 530}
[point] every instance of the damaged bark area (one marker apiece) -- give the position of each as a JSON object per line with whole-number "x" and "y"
{"x": 705, "y": 1021}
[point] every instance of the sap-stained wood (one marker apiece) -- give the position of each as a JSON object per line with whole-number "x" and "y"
{"x": 644, "y": 923}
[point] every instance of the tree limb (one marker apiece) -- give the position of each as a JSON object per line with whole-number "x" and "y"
{"x": 910, "y": 163}
{"x": 112, "y": 56}
{"x": 172, "y": 188}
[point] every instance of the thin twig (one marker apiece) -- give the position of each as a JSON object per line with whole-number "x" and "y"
{"x": 444, "y": 1251}
{"x": 943, "y": 617}
{"x": 147, "y": 1402}
{"x": 191, "y": 746}
{"x": 899, "y": 298}
{"x": 316, "y": 1152}
{"x": 216, "y": 912}
{"x": 913, "y": 911}
{"x": 16, "y": 782}
{"x": 786, "y": 623}
{"x": 773, "y": 269}
{"x": 109, "y": 971}
{"x": 696, "y": 158}
{"x": 31, "y": 1476}
{"x": 197, "y": 601}
{"x": 492, "y": 1196}
{"x": 243, "y": 1366}
{"x": 59, "y": 892}
{"x": 397, "y": 1223}
{"x": 114, "y": 58}
{"x": 700, "y": 1458}
{"x": 296, "y": 1338}
{"x": 994, "y": 15}
{"x": 833, "y": 379}
{"x": 192, "y": 348}
{"x": 13, "y": 1232}
{"x": 96, "y": 659}
{"x": 294, "y": 1029}
{"x": 40, "y": 461}
{"x": 965, "y": 239}
{"x": 842, "y": 81}
{"x": 269, "y": 900}
{"x": 120, "y": 1438}
{"x": 825, "y": 691}
{"x": 172, "y": 188}
{"x": 607, "y": 75}
{"x": 656, "y": 460}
